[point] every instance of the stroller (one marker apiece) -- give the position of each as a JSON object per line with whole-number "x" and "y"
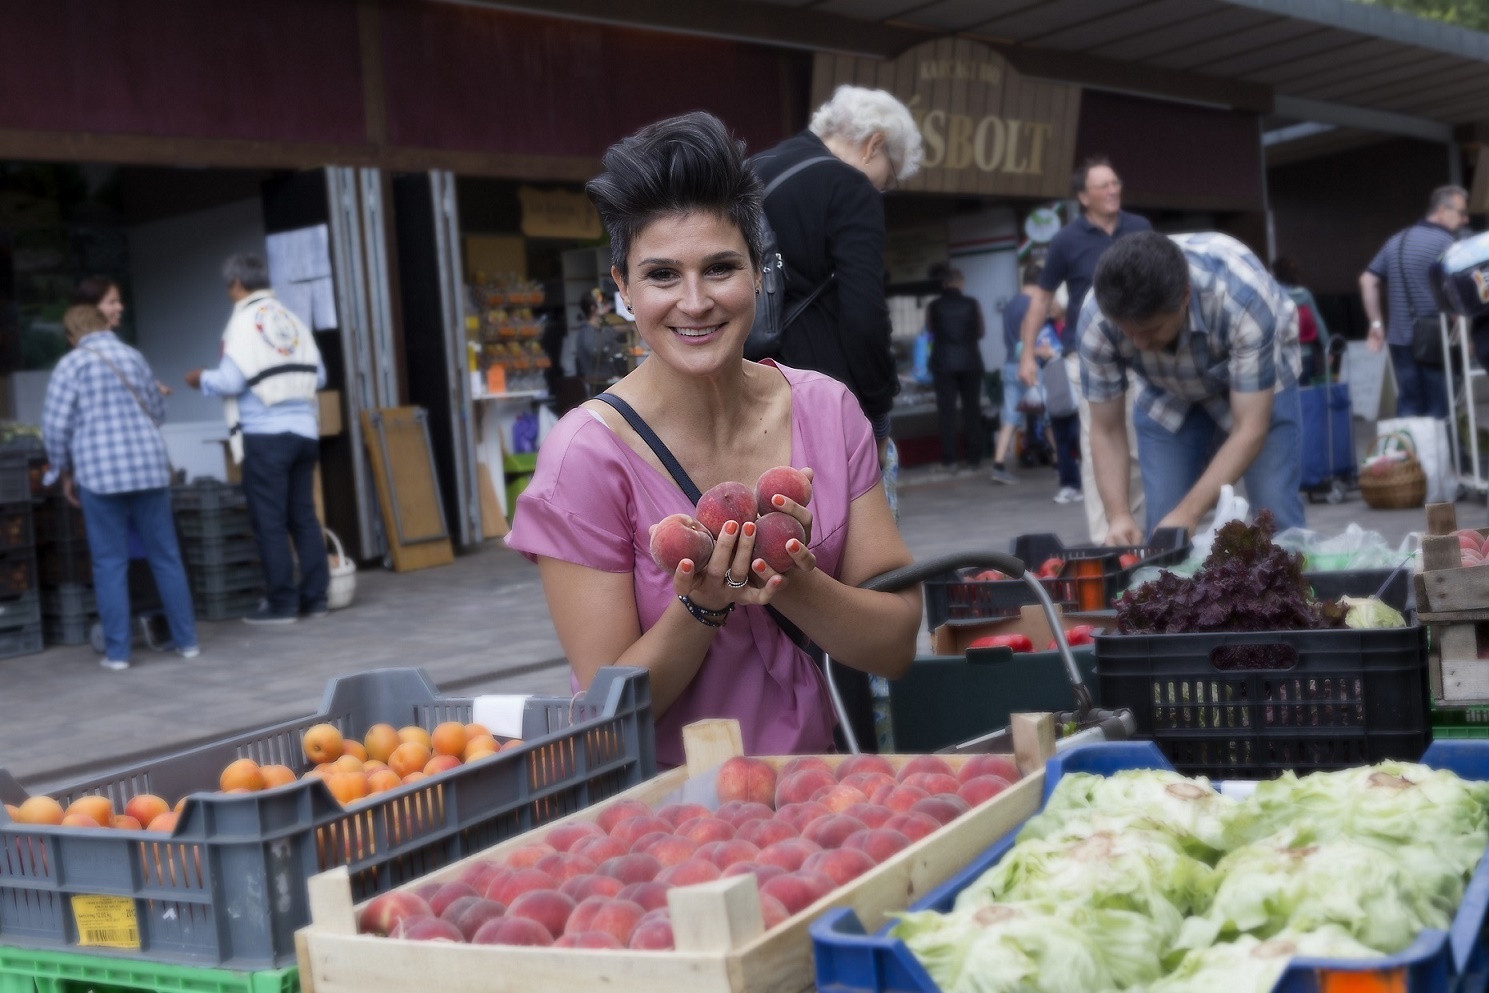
{"x": 1327, "y": 430}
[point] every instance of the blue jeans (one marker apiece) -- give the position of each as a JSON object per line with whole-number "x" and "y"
{"x": 1421, "y": 390}
{"x": 279, "y": 482}
{"x": 107, "y": 517}
{"x": 1172, "y": 462}
{"x": 1067, "y": 432}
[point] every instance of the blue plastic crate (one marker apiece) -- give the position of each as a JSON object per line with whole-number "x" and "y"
{"x": 850, "y": 960}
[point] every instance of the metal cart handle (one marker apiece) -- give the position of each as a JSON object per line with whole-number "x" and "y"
{"x": 911, "y": 575}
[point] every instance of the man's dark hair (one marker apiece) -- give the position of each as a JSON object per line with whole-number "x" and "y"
{"x": 1032, "y": 272}
{"x": 678, "y": 166}
{"x": 1444, "y": 195}
{"x": 1078, "y": 178}
{"x": 1140, "y": 276}
{"x": 247, "y": 270}
{"x": 93, "y": 289}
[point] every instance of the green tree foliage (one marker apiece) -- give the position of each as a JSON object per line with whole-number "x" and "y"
{"x": 1463, "y": 13}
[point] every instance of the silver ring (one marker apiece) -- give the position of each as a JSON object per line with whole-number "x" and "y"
{"x": 729, "y": 581}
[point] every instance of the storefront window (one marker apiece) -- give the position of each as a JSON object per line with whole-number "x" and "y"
{"x": 59, "y": 224}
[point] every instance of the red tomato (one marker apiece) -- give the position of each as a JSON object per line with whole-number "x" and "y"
{"x": 1017, "y": 642}
{"x": 988, "y": 576}
{"x": 1127, "y": 560}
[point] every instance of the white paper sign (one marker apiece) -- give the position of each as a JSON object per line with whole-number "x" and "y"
{"x": 500, "y": 713}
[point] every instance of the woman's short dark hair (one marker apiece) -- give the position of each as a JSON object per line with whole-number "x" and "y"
{"x": 678, "y": 166}
{"x": 1141, "y": 275}
{"x": 93, "y": 289}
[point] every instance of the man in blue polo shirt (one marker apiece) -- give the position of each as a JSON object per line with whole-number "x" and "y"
{"x": 1403, "y": 263}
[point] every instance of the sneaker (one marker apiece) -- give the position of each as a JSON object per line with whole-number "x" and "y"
{"x": 267, "y": 615}
{"x": 1002, "y": 476}
{"x": 314, "y": 613}
{"x": 189, "y": 653}
{"x": 114, "y": 665}
{"x": 1067, "y": 494}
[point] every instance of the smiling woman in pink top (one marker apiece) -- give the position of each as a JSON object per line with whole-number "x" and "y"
{"x": 683, "y": 210}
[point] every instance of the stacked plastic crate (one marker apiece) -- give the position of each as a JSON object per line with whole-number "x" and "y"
{"x": 20, "y": 603}
{"x": 217, "y": 543}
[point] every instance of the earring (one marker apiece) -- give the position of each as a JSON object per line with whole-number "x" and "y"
{"x": 757, "y": 289}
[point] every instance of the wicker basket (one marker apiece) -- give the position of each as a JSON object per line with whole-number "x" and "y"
{"x": 1402, "y": 485}
{"x": 343, "y": 586}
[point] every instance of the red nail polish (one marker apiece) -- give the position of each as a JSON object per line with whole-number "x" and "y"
{"x": 730, "y": 527}
{"x": 686, "y": 567}
{"x": 778, "y": 500}
{"x": 793, "y": 546}
{"x": 749, "y": 530}
{"x": 760, "y": 566}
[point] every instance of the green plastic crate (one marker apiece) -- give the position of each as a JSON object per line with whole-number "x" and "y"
{"x": 25, "y": 970}
{"x": 1460, "y": 723}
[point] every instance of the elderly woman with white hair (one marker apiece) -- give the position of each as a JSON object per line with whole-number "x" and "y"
{"x": 823, "y": 199}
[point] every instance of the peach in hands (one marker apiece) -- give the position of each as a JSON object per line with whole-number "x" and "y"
{"x": 723, "y": 503}
{"x": 677, "y": 537}
{"x": 772, "y": 533}
{"x": 786, "y": 480}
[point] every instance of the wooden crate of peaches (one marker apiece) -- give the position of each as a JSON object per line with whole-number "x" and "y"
{"x": 704, "y": 879}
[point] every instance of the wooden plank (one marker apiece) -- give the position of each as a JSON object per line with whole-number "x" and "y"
{"x": 1442, "y": 518}
{"x": 1434, "y": 675}
{"x": 1444, "y": 591}
{"x": 493, "y": 521}
{"x": 1455, "y": 617}
{"x": 775, "y": 961}
{"x": 716, "y": 916}
{"x": 405, "y": 472}
{"x": 1440, "y": 552}
{"x": 710, "y": 743}
{"x": 1033, "y": 740}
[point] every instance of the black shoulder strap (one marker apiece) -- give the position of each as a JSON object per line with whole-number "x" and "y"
{"x": 793, "y": 170}
{"x": 690, "y": 488}
{"x": 679, "y": 474}
{"x": 1411, "y": 311}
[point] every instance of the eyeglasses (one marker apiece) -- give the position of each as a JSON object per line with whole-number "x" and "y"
{"x": 892, "y": 181}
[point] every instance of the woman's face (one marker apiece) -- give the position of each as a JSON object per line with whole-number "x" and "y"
{"x": 692, "y": 290}
{"x": 112, "y": 307}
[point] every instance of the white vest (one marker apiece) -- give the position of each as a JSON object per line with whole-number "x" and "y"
{"x": 276, "y": 354}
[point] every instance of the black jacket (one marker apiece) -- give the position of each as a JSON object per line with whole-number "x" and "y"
{"x": 828, "y": 219}
{"x": 955, "y": 323}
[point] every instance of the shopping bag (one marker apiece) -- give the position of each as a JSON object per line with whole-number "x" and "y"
{"x": 1430, "y": 437}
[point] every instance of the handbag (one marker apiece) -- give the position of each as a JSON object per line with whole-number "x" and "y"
{"x": 1426, "y": 332}
{"x": 768, "y": 333}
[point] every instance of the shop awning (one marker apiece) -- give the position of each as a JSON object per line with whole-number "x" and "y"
{"x": 1315, "y": 59}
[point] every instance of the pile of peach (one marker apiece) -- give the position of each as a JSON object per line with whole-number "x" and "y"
{"x": 603, "y": 883}
{"x": 387, "y": 757}
{"x": 679, "y": 536}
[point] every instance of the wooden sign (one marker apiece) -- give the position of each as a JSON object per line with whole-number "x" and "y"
{"x": 558, "y": 214}
{"x": 986, "y": 129}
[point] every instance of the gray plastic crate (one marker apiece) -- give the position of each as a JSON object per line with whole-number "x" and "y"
{"x": 228, "y": 887}
{"x": 20, "y": 611}
{"x": 74, "y": 629}
{"x": 208, "y": 495}
{"x": 21, "y": 641}
{"x": 200, "y": 552}
{"x": 16, "y": 460}
{"x": 214, "y": 526}
{"x": 228, "y": 606}
{"x": 223, "y": 580}
{"x": 72, "y": 600}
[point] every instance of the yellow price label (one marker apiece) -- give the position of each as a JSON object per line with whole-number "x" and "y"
{"x": 106, "y": 921}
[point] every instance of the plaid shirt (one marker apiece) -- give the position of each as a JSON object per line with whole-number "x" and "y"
{"x": 92, "y": 423}
{"x": 1242, "y": 335}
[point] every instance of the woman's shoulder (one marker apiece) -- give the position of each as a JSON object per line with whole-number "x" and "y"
{"x": 809, "y": 381}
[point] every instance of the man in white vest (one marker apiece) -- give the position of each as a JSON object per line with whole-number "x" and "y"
{"x": 268, "y": 378}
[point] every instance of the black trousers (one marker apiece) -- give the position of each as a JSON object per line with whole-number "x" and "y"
{"x": 965, "y": 386}
{"x": 279, "y": 481}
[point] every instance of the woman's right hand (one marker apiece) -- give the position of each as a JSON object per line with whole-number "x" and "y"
{"x": 710, "y": 586}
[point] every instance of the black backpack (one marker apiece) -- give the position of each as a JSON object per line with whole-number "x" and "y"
{"x": 769, "y": 329}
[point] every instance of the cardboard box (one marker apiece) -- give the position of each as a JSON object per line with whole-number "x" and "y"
{"x": 953, "y": 637}
{"x": 330, "y": 415}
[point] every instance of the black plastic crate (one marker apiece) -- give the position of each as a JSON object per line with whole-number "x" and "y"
{"x": 15, "y": 526}
{"x": 21, "y": 611}
{"x": 208, "y": 495}
{"x": 65, "y": 563}
{"x": 70, "y": 600}
{"x": 222, "y": 580}
{"x": 214, "y": 526}
{"x": 20, "y": 469}
{"x": 228, "y": 606}
{"x": 58, "y": 520}
{"x": 1093, "y": 575}
{"x": 216, "y": 552}
{"x": 21, "y": 641}
{"x": 17, "y": 573}
{"x": 1364, "y": 582}
{"x": 1250, "y": 705}
{"x": 70, "y": 630}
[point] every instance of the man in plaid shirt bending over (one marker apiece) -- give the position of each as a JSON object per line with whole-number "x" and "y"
{"x": 1213, "y": 340}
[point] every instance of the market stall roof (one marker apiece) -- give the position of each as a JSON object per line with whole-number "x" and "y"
{"x": 1313, "y": 57}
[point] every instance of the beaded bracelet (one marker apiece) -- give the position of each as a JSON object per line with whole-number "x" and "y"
{"x": 703, "y": 615}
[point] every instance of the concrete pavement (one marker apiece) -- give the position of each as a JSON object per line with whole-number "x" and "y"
{"x": 479, "y": 624}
